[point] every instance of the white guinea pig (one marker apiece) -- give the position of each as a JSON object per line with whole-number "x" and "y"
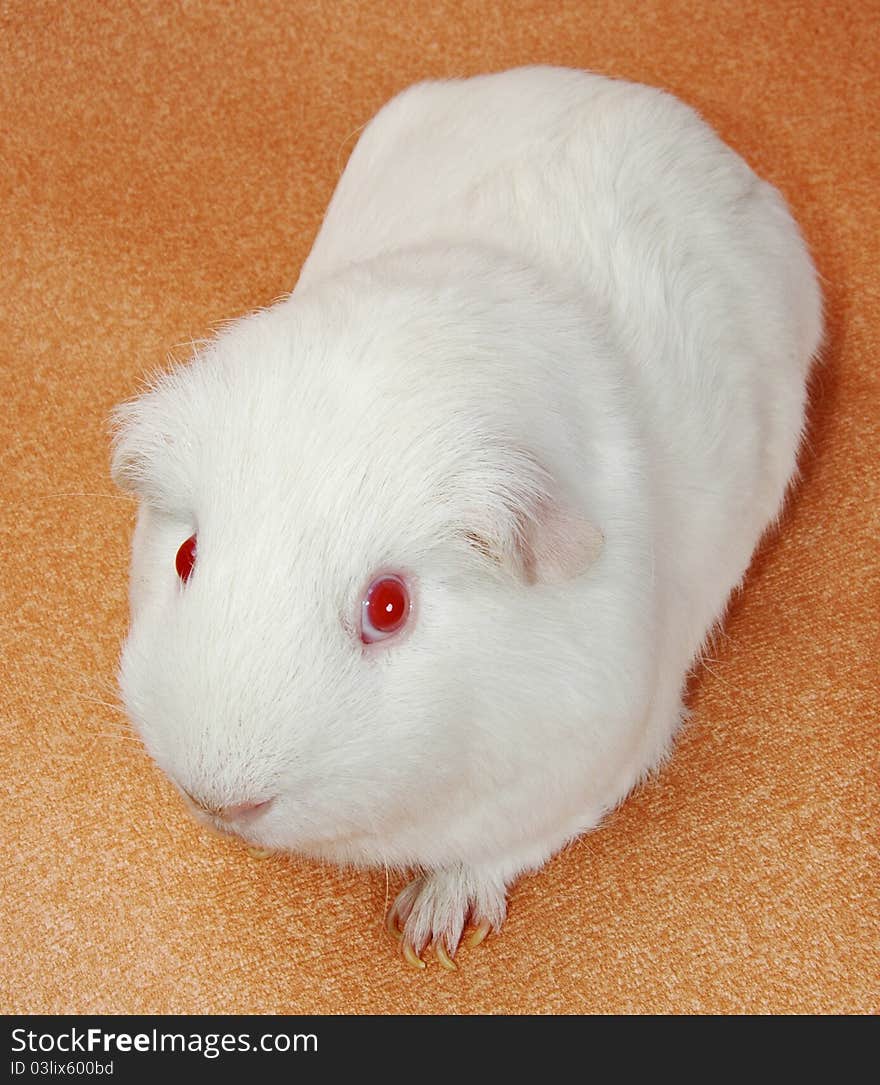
{"x": 425, "y": 551}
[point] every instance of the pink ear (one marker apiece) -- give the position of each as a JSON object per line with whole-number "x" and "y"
{"x": 521, "y": 522}
{"x": 549, "y": 544}
{"x": 555, "y": 543}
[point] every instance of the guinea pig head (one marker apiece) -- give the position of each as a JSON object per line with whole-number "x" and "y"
{"x": 344, "y": 520}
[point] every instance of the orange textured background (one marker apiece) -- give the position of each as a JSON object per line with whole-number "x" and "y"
{"x": 164, "y": 166}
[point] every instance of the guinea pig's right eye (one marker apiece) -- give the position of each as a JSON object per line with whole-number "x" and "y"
{"x": 186, "y": 558}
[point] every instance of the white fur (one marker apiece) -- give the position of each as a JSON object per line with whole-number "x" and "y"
{"x": 547, "y": 358}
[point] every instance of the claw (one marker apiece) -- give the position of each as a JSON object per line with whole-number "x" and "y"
{"x": 259, "y": 853}
{"x": 443, "y": 957}
{"x": 391, "y": 926}
{"x": 478, "y": 934}
{"x": 411, "y": 957}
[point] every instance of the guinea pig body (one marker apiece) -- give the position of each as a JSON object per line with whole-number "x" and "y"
{"x": 545, "y": 364}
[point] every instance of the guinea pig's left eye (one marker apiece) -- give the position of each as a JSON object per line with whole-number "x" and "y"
{"x": 186, "y": 558}
{"x": 385, "y": 608}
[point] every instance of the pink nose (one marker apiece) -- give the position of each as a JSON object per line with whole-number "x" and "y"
{"x": 234, "y": 812}
{"x": 242, "y": 810}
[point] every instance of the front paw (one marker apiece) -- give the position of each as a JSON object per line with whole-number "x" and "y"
{"x": 434, "y": 908}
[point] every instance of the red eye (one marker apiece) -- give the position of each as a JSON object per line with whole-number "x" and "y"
{"x": 385, "y": 608}
{"x": 186, "y": 558}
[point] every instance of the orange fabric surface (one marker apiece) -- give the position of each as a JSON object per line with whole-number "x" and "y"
{"x": 165, "y": 166}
